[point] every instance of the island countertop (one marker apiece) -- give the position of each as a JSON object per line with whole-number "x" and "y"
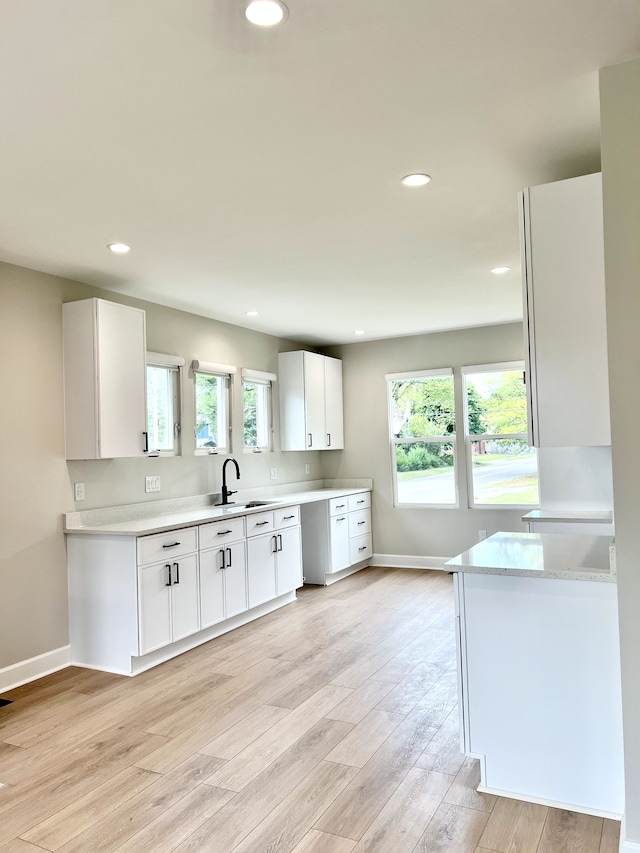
{"x": 539, "y": 555}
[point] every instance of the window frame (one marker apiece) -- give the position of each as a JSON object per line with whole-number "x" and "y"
{"x": 442, "y": 372}
{"x": 220, "y": 371}
{"x": 261, "y": 379}
{"x": 496, "y": 367}
{"x": 173, "y": 364}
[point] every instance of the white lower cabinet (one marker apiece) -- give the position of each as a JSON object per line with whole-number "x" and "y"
{"x": 336, "y": 536}
{"x": 168, "y": 602}
{"x": 134, "y": 602}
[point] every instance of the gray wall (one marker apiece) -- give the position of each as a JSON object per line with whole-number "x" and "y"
{"x": 620, "y": 113}
{"x": 37, "y": 482}
{"x": 407, "y": 531}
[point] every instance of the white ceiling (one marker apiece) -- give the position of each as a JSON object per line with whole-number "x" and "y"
{"x": 259, "y": 169}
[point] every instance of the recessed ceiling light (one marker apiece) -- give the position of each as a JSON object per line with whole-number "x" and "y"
{"x": 266, "y": 13}
{"x": 417, "y": 180}
{"x": 119, "y": 248}
{"x": 359, "y": 332}
{"x": 500, "y": 270}
{"x": 252, "y": 313}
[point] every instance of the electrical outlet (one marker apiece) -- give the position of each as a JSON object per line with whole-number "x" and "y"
{"x": 307, "y": 468}
{"x": 152, "y": 484}
{"x": 482, "y": 534}
{"x": 274, "y": 473}
{"x": 78, "y": 489}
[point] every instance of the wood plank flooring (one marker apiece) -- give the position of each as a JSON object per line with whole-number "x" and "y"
{"x": 329, "y": 726}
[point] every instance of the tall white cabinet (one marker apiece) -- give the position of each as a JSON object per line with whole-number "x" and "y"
{"x": 311, "y": 408}
{"x": 564, "y": 313}
{"x": 104, "y": 380}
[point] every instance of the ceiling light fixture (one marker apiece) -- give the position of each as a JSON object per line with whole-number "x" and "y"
{"x": 118, "y": 248}
{"x": 266, "y": 13}
{"x": 251, "y": 313}
{"x": 417, "y": 180}
{"x": 500, "y": 270}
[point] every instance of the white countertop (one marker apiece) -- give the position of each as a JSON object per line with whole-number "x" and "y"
{"x": 539, "y": 555}
{"x": 139, "y": 520}
{"x": 570, "y": 516}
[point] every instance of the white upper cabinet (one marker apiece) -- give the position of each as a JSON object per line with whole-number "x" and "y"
{"x": 310, "y": 388}
{"x": 104, "y": 380}
{"x": 564, "y": 313}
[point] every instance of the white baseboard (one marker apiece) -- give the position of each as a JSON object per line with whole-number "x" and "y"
{"x": 28, "y": 670}
{"x": 629, "y": 846}
{"x": 402, "y": 561}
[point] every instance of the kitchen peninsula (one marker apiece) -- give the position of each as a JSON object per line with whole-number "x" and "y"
{"x": 539, "y": 669}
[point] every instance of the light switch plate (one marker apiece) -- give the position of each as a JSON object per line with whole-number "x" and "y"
{"x": 152, "y": 484}
{"x": 307, "y": 468}
{"x": 274, "y": 473}
{"x": 78, "y": 490}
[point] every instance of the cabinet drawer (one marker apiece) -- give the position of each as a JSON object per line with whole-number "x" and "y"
{"x": 359, "y": 523}
{"x": 165, "y": 546}
{"x": 287, "y": 517}
{"x": 359, "y": 501}
{"x": 260, "y": 522}
{"x": 220, "y": 533}
{"x": 338, "y": 505}
{"x": 360, "y": 548}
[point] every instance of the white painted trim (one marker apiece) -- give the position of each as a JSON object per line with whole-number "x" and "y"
{"x": 407, "y": 561}
{"x": 32, "y": 668}
{"x": 496, "y": 367}
{"x": 542, "y": 801}
{"x": 333, "y": 577}
{"x": 417, "y": 374}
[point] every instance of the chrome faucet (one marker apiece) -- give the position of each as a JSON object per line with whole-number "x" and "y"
{"x": 225, "y": 491}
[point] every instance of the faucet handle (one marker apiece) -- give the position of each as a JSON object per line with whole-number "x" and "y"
{"x": 229, "y": 492}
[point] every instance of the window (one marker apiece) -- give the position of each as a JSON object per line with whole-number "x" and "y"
{"x": 163, "y": 403}
{"x": 502, "y": 468}
{"x": 422, "y": 425}
{"x": 256, "y": 397}
{"x": 212, "y": 426}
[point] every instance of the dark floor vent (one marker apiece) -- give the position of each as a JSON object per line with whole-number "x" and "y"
{"x": 4, "y": 702}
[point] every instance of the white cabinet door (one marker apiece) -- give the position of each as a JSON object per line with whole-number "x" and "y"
{"x": 184, "y": 597}
{"x": 314, "y": 400}
{"x": 261, "y": 568}
{"x": 212, "y": 586}
{"x": 288, "y": 560}
{"x": 154, "y": 596}
{"x": 235, "y": 575}
{"x": 104, "y": 379}
{"x": 339, "y": 542}
{"x": 334, "y": 419}
{"x": 565, "y": 318}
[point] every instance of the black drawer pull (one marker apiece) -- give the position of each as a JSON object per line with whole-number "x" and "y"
{"x": 340, "y": 506}
{"x": 224, "y": 532}
{"x": 360, "y": 502}
{"x": 361, "y": 522}
{"x": 229, "y": 553}
{"x": 364, "y": 548}
{"x": 287, "y": 517}
{"x": 168, "y": 566}
{"x": 261, "y": 523}
{"x": 177, "y": 580}
{"x": 172, "y": 545}
{"x": 342, "y": 518}
{"x": 224, "y": 562}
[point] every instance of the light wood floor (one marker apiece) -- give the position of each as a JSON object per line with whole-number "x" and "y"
{"x": 327, "y": 727}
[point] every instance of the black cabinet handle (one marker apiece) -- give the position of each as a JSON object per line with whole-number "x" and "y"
{"x": 328, "y": 439}
{"x": 342, "y": 518}
{"x": 224, "y": 564}
{"x": 229, "y": 553}
{"x": 177, "y": 567}
{"x": 261, "y": 523}
{"x": 171, "y": 545}
{"x": 168, "y": 566}
{"x": 360, "y": 502}
{"x": 224, "y": 532}
{"x": 274, "y": 544}
{"x": 146, "y": 442}
{"x": 287, "y": 517}
{"x": 340, "y": 506}
{"x": 279, "y": 542}
{"x": 364, "y": 548}
{"x": 310, "y": 440}
{"x": 361, "y": 522}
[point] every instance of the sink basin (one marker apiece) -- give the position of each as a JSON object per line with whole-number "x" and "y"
{"x": 252, "y": 504}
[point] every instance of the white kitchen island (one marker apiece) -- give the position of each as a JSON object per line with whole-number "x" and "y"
{"x": 539, "y": 671}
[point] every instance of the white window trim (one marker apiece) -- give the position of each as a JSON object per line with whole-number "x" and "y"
{"x": 225, "y": 371}
{"x": 175, "y": 363}
{"x": 448, "y": 439}
{"x": 259, "y": 377}
{"x": 496, "y": 367}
